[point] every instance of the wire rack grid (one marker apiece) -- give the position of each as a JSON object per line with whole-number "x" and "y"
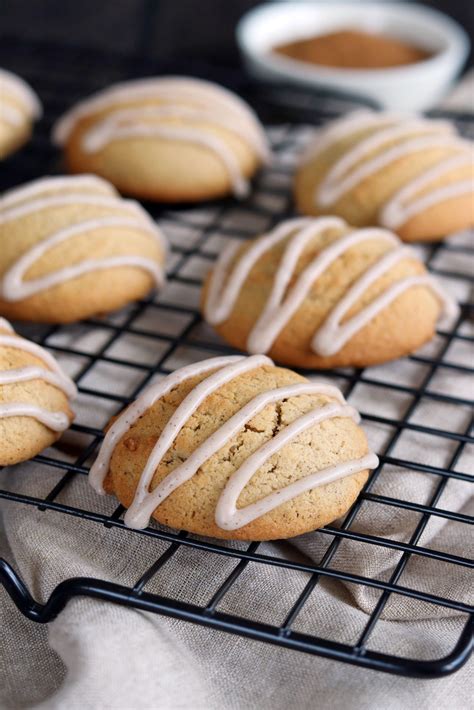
{"x": 169, "y": 333}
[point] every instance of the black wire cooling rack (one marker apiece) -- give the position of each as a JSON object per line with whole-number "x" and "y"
{"x": 61, "y": 75}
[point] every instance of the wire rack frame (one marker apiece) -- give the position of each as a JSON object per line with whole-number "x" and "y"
{"x": 59, "y": 88}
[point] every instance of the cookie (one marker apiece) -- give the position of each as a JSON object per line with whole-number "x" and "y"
{"x": 318, "y": 293}
{"x": 169, "y": 139}
{"x": 408, "y": 174}
{"x": 19, "y": 109}
{"x": 73, "y": 248}
{"x": 234, "y": 447}
{"x": 34, "y": 398}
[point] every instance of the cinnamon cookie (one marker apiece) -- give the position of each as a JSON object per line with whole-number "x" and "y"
{"x": 19, "y": 108}
{"x": 318, "y": 293}
{"x": 73, "y": 248}
{"x": 170, "y": 139}
{"x": 34, "y": 398}
{"x": 234, "y": 447}
{"x": 411, "y": 175}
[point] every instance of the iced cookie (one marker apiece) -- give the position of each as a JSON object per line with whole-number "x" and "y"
{"x": 19, "y": 109}
{"x": 167, "y": 139}
{"x": 234, "y": 447}
{"x": 318, "y": 293}
{"x": 73, "y": 248}
{"x": 35, "y": 398}
{"x": 411, "y": 175}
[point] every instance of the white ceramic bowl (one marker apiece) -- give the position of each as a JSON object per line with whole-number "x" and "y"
{"x": 416, "y": 87}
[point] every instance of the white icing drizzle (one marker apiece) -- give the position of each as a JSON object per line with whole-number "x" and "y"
{"x": 44, "y": 185}
{"x": 343, "y": 127}
{"x": 177, "y": 90}
{"x": 190, "y": 101}
{"x": 73, "y": 198}
{"x": 365, "y": 158}
{"x": 404, "y": 204}
{"x": 51, "y": 373}
{"x": 339, "y": 182}
{"x": 13, "y": 287}
{"x": 130, "y": 415}
{"x": 283, "y": 301}
{"x": 57, "y": 421}
{"x": 132, "y": 120}
{"x": 240, "y": 185}
{"x": 222, "y": 370}
{"x": 14, "y": 85}
{"x": 222, "y": 296}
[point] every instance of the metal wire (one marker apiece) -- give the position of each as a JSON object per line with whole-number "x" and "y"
{"x": 53, "y": 70}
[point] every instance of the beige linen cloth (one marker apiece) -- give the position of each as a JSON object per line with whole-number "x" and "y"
{"x": 98, "y": 655}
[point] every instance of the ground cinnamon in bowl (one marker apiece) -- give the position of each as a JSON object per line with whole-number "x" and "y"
{"x": 353, "y": 49}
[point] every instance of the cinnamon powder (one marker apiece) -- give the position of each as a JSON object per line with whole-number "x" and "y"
{"x": 353, "y": 49}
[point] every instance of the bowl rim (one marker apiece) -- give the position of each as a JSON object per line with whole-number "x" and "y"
{"x": 456, "y": 38}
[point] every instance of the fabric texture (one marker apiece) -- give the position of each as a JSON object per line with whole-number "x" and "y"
{"x": 99, "y": 655}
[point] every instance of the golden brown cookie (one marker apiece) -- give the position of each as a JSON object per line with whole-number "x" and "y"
{"x": 19, "y": 108}
{"x": 234, "y": 447}
{"x": 73, "y": 248}
{"x": 169, "y": 139}
{"x": 34, "y": 398}
{"x": 318, "y": 293}
{"x": 411, "y": 175}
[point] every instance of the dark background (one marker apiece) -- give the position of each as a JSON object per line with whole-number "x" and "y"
{"x": 172, "y": 32}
